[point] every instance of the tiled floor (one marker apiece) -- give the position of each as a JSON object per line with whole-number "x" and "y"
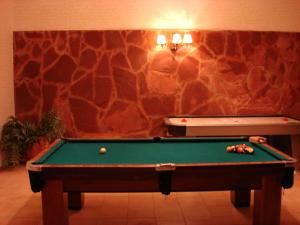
{"x": 19, "y": 206}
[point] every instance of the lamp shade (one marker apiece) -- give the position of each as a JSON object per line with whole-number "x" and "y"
{"x": 161, "y": 39}
{"x": 176, "y": 38}
{"x": 187, "y": 39}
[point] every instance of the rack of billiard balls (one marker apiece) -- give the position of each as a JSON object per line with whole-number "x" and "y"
{"x": 246, "y": 149}
{"x": 241, "y": 148}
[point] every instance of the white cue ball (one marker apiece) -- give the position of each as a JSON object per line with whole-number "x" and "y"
{"x": 102, "y": 150}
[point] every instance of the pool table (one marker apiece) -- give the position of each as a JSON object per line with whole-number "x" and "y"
{"x": 158, "y": 165}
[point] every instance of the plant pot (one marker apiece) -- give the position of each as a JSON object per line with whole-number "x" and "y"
{"x": 36, "y": 148}
{"x": 2, "y": 157}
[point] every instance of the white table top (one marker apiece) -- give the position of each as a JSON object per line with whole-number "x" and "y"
{"x": 230, "y": 121}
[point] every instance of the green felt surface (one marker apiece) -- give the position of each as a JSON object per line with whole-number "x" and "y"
{"x": 153, "y": 152}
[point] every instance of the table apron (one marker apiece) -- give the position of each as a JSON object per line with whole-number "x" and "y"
{"x": 151, "y": 185}
{"x": 146, "y": 180}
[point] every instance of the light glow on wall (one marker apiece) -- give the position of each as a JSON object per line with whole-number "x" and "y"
{"x": 179, "y": 19}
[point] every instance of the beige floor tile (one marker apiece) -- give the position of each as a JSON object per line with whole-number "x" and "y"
{"x": 194, "y": 194}
{"x": 229, "y": 211}
{"x": 170, "y": 221}
{"x": 4, "y": 219}
{"x": 93, "y": 199}
{"x": 140, "y": 194}
{"x": 24, "y": 221}
{"x": 193, "y": 207}
{"x": 125, "y": 195}
{"x": 199, "y": 221}
{"x": 31, "y": 209}
{"x": 288, "y": 217}
{"x": 142, "y": 221}
{"x": 230, "y": 220}
{"x": 167, "y": 208}
{"x": 158, "y": 195}
{"x": 216, "y": 198}
{"x": 84, "y": 221}
{"x": 112, "y": 221}
{"x": 114, "y": 206}
{"x": 85, "y": 213}
{"x": 290, "y": 222}
{"x": 141, "y": 207}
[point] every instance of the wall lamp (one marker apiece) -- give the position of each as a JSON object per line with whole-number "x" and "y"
{"x": 176, "y": 42}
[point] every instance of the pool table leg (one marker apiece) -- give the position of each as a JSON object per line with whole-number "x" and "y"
{"x": 75, "y": 200}
{"x": 54, "y": 207}
{"x": 267, "y": 202}
{"x": 240, "y": 197}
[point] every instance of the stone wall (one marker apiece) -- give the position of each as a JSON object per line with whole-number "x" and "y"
{"x": 120, "y": 84}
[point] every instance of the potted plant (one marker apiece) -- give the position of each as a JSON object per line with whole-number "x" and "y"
{"x": 49, "y": 128}
{"x": 20, "y": 140}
